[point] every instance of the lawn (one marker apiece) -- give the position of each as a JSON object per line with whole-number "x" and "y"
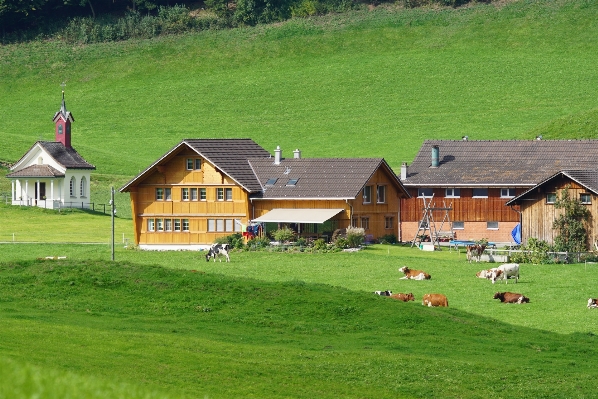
{"x": 296, "y": 325}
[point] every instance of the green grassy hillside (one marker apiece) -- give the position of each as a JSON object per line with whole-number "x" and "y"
{"x": 360, "y": 84}
{"x": 193, "y": 333}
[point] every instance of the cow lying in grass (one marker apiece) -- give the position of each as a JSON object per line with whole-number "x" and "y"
{"x": 383, "y": 293}
{"x": 511, "y": 297}
{"x": 592, "y": 303}
{"x": 432, "y": 300}
{"x": 403, "y": 297}
{"x": 414, "y": 274}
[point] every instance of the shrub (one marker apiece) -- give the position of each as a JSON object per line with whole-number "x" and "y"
{"x": 355, "y": 236}
{"x": 388, "y": 239}
{"x": 535, "y": 251}
{"x": 258, "y": 243}
{"x": 320, "y": 245}
{"x": 284, "y": 235}
{"x": 234, "y": 240}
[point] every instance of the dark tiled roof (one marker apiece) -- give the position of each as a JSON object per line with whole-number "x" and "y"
{"x": 228, "y": 155}
{"x": 587, "y": 178}
{"x": 317, "y": 177}
{"x": 66, "y": 156}
{"x": 500, "y": 163}
{"x": 37, "y": 171}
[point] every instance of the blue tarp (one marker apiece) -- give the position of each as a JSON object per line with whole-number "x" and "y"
{"x": 516, "y": 234}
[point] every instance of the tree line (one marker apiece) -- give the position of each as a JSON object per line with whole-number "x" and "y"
{"x": 105, "y": 20}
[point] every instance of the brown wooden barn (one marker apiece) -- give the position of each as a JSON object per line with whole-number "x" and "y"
{"x": 476, "y": 179}
{"x": 203, "y": 189}
{"x": 538, "y": 209}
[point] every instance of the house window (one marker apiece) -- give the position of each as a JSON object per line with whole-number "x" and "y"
{"x": 507, "y": 192}
{"x": 238, "y": 227}
{"x": 458, "y": 225}
{"x": 168, "y": 224}
{"x": 365, "y": 223}
{"x": 202, "y": 194}
{"x": 185, "y": 224}
{"x": 480, "y": 193}
{"x": 159, "y": 194}
{"x": 424, "y": 192}
{"x": 271, "y": 182}
{"x": 228, "y": 192}
{"x": 177, "y": 224}
{"x": 194, "y": 194}
{"x": 292, "y": 182}
{"x": 219, "y": 224}
{"x": 73, "y": 184}
{"x": 168, "y": 194}
{"x": 228, "y": 225}
{"x": 211, "y": 225}
{"x": 585, "y": 198}
{"x": 388, "y": 222}
{"x": 381, "y": 194}
{"x": 198, "y": 164}
{"x": 160, "y": 225}
{"x": 185, "y": 194}
{"x": 354, "y": 222}
{"x": 492, "y": 225}
{"x": 550, "y": 198}
{"x": 150, "y": 224}
{"x": 367, "y": 194}
{"x": 452, "y": 193}
{"x": 59, "y": 129}
{"x": 220, "y": 194}
{"x": 82, "y": 187}
{"x": 189, "y": 164}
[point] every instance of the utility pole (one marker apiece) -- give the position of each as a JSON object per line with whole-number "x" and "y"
{"x": 112, "y": 212}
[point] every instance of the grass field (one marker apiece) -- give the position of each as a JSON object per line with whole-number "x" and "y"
{"x": 359, "y": 84}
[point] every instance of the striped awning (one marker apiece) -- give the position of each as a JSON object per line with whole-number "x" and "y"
{"x": 282, "y": 215}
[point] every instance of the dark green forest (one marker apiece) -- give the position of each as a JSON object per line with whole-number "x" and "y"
{"x": 89, "y": 21}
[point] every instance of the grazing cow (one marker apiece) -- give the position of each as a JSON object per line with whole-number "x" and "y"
{"x": 216, "y": 250}
{"x": 403, "y": 297}
{"x": 431, "y": 300}
{"x": 592, "y": 303}
{"x": 383, "y": 293}
{"x": 511, "y": 297}
{"x": 414, "y": 274}
{"x": 485, "y": 273}
{"x": 506, "y": 271}
{"x": 475, "y": 251}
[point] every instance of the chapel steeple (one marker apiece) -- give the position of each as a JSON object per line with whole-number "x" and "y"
{"x": 62, "y": 120}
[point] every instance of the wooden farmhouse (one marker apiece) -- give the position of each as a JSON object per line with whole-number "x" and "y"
{"x": 208, "y": 188}
{"x": 473, "y": 183}
{"x": 538, "y": 209}
{"x": 52, "y": 174}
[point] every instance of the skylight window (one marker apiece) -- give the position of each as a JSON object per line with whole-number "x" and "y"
{"x": 271, "y": 182}
{"x": 292, "y": 182}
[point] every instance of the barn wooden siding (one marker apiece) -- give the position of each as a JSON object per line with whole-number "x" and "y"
{"x": 473, "y": 212}
{"x": 538, "y": 216}
{"x": 173, "y": 174}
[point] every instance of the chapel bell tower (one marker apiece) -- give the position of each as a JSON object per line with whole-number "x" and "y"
{"x": 63, "y": 120}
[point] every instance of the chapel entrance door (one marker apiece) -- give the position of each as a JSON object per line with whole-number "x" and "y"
{"x": 42, "y": 191}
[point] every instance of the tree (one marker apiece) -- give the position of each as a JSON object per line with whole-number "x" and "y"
{"x": 571, "y": 224}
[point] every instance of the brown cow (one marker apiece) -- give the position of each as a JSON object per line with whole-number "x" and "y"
{"x": 592, "y": 303}
{"x": 511, "y": 297}
{"x": 403, "y": 297}
{"x": 475, "y": 251}
{"x": 414, "y": 274}
{"x": 435, "y": 300}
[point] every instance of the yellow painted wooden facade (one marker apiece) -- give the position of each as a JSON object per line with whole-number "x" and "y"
{"x": 180, "y": 205}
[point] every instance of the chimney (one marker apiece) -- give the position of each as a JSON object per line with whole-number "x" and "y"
{"x": 435, "y": 156}
{"x": 277, "y": 155}
{"x": 297, "y": 154}
{"x": 404, "y": 171}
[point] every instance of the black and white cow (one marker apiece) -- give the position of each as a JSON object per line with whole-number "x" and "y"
{"x": 216, "y": 250}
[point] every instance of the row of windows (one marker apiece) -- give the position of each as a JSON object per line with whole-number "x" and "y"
{"x": 461, "y": 225}
{"x": 214, "y": 225}
{"x": 584, "y": 198}
{"x": 456, "y": 192}
{"x": 193, "y": 164}
{"x": 380, "y": 194}
{"x": 364, "y": 222}
{"x": 82, "y": 187}
{"x": 194, "y": 194}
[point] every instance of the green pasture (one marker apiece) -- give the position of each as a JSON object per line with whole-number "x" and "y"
{"x": 359, "y": 84}
{"x": 290, "y": 325}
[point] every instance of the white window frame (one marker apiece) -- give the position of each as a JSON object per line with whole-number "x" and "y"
{"x": 452, "y": 192}
{"x": 168, "y": 194}
{"x": 167, "y": 224}
{"x": 185, "y": 193}
{"x": 151, "y": 225}
{"x": 73, "y": 185}
{"x": 489, "y": 225}
{"x": 458, "y": 225}
{"x": 367, "y": 195}
{"x": 159, "y": 194}
{"x": 550, "y": 198}
{"x": 159, "y": 225}
{"x": 587, "y": 202}
{"x": 219, "y": 225}
{"x": 228, "y": 194}
{"x": 421, "y": 192}
{"x": 197, "y": 164}
{"x": 381, "y": 194}
{"x": 510, "y": 193}
{"x": 193, "y": 193}
{"x": 177, "y": 224}
{"x": 189, "y": 163}
{"x": 185, "y": 224}
{"x": 228, "y": 225}
{"x": 211, "y": 225}
{"x": 365, "y": 223}
{"x": 83, "y": 187}
{"x": 220, "y": 193}
{"x": 388, "y": 222}
{"x": 203, "y": 194}
{"x": 238, "y": 228}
